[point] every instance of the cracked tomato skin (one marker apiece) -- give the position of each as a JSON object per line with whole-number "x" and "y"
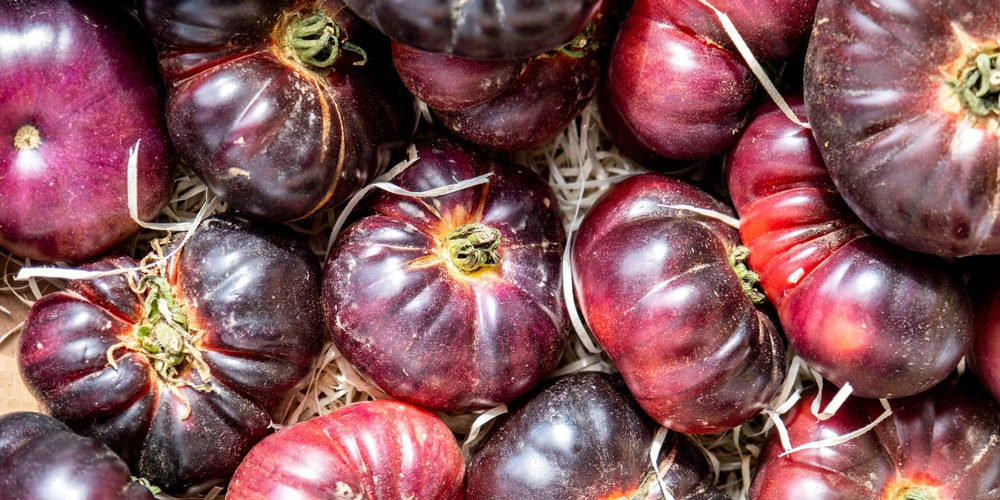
{"x": 422, "y": 329}
{"x": 250, "y": 291}
{"x": 42, "y": 459}
{"x": 860, "y": 310}
{"x": 380, "y": 449}
{"x": 277, "y": 138}
{"x": 657, "y": 289}
{"x": 914, "y": 162}
{"x": 583, "y": 437}
{"x": 942, "y": 441}
{"x": 79, "y": 86}
{"x": 504, "y": 29}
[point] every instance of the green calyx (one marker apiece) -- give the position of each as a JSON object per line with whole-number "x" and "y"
{"x": 748, "y": 278}
{"x": 319, "y": 41}
{"x": 473, "y": 246}
{"x": 581, "y": 43}
{"x": 978, "y": 85}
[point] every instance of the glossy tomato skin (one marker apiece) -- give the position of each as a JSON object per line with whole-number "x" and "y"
{"x": 943, "y": 439}
{"x": 506, "y": 29}
{"x": 427, "y": 332}
{"x": 582, "y": 437}
{"x": 510, "y": 104}
{"x": 277, "y": 138}
{"x": 914, "y": 163}
{"x": 41, "y": 458}
{"x": 380, "y": 449}
{"x": 250, "y": 294}
{"x": 985, "y": 347}
{"x": 859, "y": 309}
{"x": 656, "y": 288}
{"x": 79, "y": 86}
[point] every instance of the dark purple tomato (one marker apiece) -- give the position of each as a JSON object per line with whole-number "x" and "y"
{"x": 675, "y": 85}
{"x": 860, "y": 310}
{"x": 510, "y": 104}
{"x": 42, "y": 459}
{"x": 453, "y": 302}
{"x": 583, "y": 437}
{"x": 181, "y": 368}
{"x": 659, "y": 288}
{"x": 937, "y": 445}
{"x": 79, "y": 86}
{"x": 903, "y": 102}
{"x": 985, "y": 350}
{"x": 504, "y": 29}
{"x": 379, "y": 449}
{"x": 283, "y": 108}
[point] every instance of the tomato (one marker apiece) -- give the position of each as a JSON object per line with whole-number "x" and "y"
{"x": 79, "y": 86}
{"x": 41, "y": 458}
{"x": 583, "y": 437}
{"x": 371, "y": 449}
{"x": 182, "y": 369}
{"x": 511, "y": 104}
{"x": 504, "y": 29}
{"x": 940, "y": 444}
{"x": 675, "y": 85}
{"x": 891, "y": 89}
{"x": 279, "y": 133}
{"x": 451, "y": 303}
{"x": 860, "y": 310}
{"x": 658, "y": 287}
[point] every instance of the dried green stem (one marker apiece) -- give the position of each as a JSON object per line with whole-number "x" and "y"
{"x": 473, "y": 246}
{"x": 319, "y": 41}
{"x": 978, "y": 85}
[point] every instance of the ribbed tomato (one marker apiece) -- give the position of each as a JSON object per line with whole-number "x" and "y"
{"x": 860, "y": 310}
{"x": 379, "y": 449}
{"x": 180, "y": 368}
{"x": 452, "y": 302}
{"x": 902, "y": 97}
{"x": 658, "y": 285}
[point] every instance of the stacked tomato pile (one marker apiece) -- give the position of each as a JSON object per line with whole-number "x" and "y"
{"x": 388, "y": 288}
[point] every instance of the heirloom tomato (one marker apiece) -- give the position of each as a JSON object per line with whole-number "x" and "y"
{"x": 662, "y": 287}
{"x": 283, "y": 108}
{"x": 860, "y": 310}
{"x": 940, "y": 444}
{"x": 79, "y": 86}
{"x": 902, "y": 99}
{"x": 584, "y": 437}
{"x": 379, "y": 449}
{"x": 180, "y": 366}
{"x": 452, "y": 302}
{"x": 500, "y": 29}
{"x": 42, "y": 459}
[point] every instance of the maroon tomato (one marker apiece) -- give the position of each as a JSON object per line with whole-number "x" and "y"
{"x": 42, "y": 459}
{"x": 938, "y": 445}
{"x": 510, "y": 104}
{"x": 985, "y": 350}
{"x": 903, "y": 103}
{"x": 658, "y": 286}
{"x": 181, "y": 369}
{"x": 378, "y": 449}
{"x": 453, "y": 302}
{"x": 858, "y": 309}
{"x": 584, "y": 437}
{"x": 502, "y": 29}
{"x": 282, "y": 108}
{"x": 676, "y": 86}
{"x": 79, "y": 86}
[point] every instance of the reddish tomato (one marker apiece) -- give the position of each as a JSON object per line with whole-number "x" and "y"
{"x": 941, "y": 445}
{"x": 283, "y": 108}
{"x": 904, "y": 107}
{"x": 453, "y": 302}
{"x": 180, "y": 370}
{"x": 378, "y": 449}
{"x": 584, "y": 437}
{"x": 658, "y": 288}
{"x": 860, "y": 310}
